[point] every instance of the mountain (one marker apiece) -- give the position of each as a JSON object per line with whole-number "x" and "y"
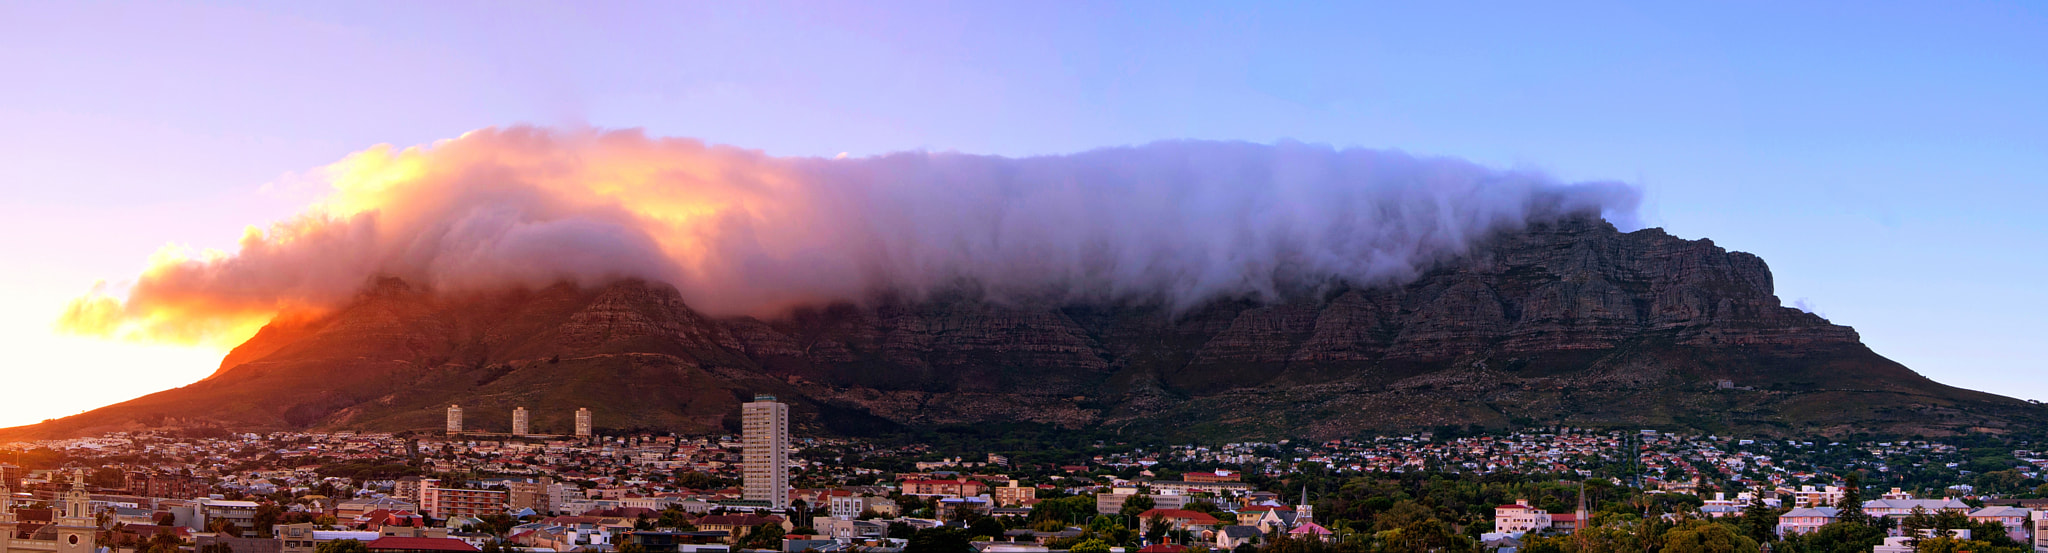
{"x": 1571, "y": 323}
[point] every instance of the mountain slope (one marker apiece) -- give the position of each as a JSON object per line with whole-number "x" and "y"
{"x": 1568, "y": 323}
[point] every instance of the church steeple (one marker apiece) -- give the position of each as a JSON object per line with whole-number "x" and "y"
{"x": 1304, "y": 512}
{"x": 77, "y": 529}
{"x": 78, "y": 503}
{"x": 6, "y": 502}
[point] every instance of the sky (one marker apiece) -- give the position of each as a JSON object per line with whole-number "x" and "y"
{"x": 1888, "y": 160}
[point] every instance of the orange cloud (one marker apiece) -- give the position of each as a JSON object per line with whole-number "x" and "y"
{"x": 739, "y": 231}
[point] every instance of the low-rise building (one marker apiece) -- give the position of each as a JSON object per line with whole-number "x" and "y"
{"x": 1806, "y": 519}
{"x": 1520, "y": 517}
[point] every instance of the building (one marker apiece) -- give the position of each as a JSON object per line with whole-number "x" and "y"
{"x": 438, "y": 502}
{"x": 1014, "y": 494}
{"x": 957, "y": 508}
{"x": 849, "y": 507}
{"x": 1806, "y": 519}
{"x": 73, "y": 531}
{"x": 1900, "y": 508}
{"x": 77, "y": 529}
{"x": 583, "y": 422}
{"x": 847, "y": 529}
{"x": 1112, "y": 503}
{"x": 395, "y": 544}
{"x": 1185, "y": 487}
{"x": 737, "y": 526}
{"x": 764, "y": 426}
{"x": 239, "y": 514}
{"x": 454, "y": 419}
{"x": 407, "y": 488}
{"x": 457, "y": 502}
{"x": 1230, "y": 537}
{"x": 519, "y": 422}
{"x": 2017, "y": 521}
{"x": 961, "y": 487}
{"x": 349, "y": 510}
{"x": 1218, "y": 476}
{"x": 166, "y": 485}
{"x": 1179, "y": 519}
{"x": 530, "y": 495}
{"x": 306, "y": 537}
{"x": 1520, "y": 517}
{"x": 1808, "y": 496}
{"x": 2040, "y": 524}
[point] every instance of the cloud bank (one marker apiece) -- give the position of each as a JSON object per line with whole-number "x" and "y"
{"x": 741, "y": 232}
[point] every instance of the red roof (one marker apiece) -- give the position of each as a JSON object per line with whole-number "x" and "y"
{"x": 420, "y": 544}
{"x": 1193, "y": 517}
{"x": 1163, "y": 548}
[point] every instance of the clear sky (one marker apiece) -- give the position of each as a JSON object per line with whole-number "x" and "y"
{"x": 1888, "y": 159}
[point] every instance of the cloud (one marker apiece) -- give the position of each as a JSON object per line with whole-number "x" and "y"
{"x": 741, "y": 232}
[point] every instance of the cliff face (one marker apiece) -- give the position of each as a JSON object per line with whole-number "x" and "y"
{"x": 1567, "y": 323}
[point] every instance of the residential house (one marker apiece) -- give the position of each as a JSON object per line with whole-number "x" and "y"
{"x": 1230, "y": 537}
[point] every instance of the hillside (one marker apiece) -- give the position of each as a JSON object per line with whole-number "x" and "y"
{"x": 1568, "y": 323}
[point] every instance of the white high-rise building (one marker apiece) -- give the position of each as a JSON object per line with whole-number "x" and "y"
{"x": 455, "y": 419}
{"x": 519, "y": 421}
{"x": 764, "y": 439}
{"x": 583, "y": 422}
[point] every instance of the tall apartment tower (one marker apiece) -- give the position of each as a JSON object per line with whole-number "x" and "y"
{"x": 764, "y": 441}
{"x": 519, "y": 421}
{"x": 583, "y": 422}
{"x": 454, "y": 419}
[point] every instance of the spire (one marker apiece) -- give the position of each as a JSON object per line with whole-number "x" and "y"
{"x": 1582, "y": 499}
{"x": 77, "y": 503}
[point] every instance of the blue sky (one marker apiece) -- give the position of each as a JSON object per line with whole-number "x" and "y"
{"x": 1888, "y": 160}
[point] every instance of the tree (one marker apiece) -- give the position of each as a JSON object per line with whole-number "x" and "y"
{"x": 901, "y": 530}
{"x": 1914, "y": 523}
{"x": 766, "y": 536}
{"x": 676, "y": 518}
{"x": 986, "y": 526}
{"x": 630, "y": 547}
{"x": 267, "y": 516}
{"x": 1759, "y": 521}
{"x": 1699, "y": 536}
{"x": 1137, "y": 504}
{"x": 341, "y": 546}
{"x": 1089, "y": 546}
{"x": 1852, "y": 501}
{"x": 941, "y": 540}
{"x": 163, "y": 542}
{"x": 222, "y": 526}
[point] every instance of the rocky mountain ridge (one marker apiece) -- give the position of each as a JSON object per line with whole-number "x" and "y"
{"x": 1571, "y": 322}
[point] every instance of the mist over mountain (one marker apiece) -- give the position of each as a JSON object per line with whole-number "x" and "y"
{"x": 739, "y": 232}
{"x": 1560, "y": 321}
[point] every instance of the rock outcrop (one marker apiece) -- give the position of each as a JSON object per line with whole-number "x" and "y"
{"x": 1567, "y": 323}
